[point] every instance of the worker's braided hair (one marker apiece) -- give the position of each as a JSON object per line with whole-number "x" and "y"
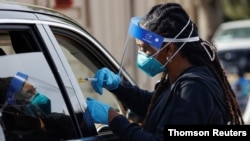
{"x": 168, "y": 20}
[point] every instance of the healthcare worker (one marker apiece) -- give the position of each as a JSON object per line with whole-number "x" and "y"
{"x": 193, "y": 89}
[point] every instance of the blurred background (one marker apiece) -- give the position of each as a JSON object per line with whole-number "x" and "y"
{"x": 108, "y": 21}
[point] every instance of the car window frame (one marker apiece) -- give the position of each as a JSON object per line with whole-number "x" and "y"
{"x": 53, "y": 56}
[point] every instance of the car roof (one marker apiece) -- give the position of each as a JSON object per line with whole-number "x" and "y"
{"x": 235, "y": 24}
{"x": 24, "y": 7}
{"x": 233, "y": 45}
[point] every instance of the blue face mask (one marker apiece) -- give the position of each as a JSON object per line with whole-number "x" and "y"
{"x": 39, "y": 105}
{"x": 149, "y": 65}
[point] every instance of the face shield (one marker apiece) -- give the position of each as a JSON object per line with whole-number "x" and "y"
{"x": 23, "y": 93}
{"x": 15, "y": 91}
{"x": 147, "y": 45}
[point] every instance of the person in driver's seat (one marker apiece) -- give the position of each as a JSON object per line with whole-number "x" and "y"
{"x": 27, "y": 113}
{"x": 24, "y": 93}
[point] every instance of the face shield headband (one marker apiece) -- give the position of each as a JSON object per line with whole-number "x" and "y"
{"x": 182, "y": 45}
{"x": 16, "y": 85}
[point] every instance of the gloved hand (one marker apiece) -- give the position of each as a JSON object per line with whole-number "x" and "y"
{"x": 106, "y": 79}
{"x": 98, "y": 111}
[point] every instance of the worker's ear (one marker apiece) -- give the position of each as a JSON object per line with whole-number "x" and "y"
{"x": 170, "y": 49}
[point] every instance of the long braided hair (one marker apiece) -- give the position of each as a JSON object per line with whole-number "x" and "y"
{"x": 168, "y": 20}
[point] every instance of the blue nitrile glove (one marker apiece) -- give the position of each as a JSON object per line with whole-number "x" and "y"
{"x": 98, "y": 111}
{"x": 106, "y": 79}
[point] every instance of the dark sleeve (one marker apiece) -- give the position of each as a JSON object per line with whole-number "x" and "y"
{"x": 134, "y": 98}
{"x": 60, "y": 125}
{"x": 192, "y": 100}
{"x": 131, "y": 131}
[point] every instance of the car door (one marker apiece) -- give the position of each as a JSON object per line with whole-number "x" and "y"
{"x": 24, "y": 51}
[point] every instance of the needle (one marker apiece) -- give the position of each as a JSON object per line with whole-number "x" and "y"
{"x": 88, "y": 79}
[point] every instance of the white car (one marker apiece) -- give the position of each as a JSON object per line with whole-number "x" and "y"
{"x": 232, "y": 40}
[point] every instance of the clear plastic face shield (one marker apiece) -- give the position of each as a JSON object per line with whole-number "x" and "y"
{"x": 22, "y": 92}
{"x": 147, "y": 46}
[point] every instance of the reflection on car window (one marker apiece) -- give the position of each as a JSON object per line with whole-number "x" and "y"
{"x": 45, "y": 108}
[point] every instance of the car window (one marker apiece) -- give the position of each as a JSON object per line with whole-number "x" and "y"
{"x": 234, "y": 33}
{"x": 232, "y": 60}
{"x": 19, "y": 57}
{"x": 20, "y": 52}
{"x": 84, "y": 62}
{"x": 237, "y": 66}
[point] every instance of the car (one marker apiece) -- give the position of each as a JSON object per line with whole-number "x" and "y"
{"x": 57, "y": 54}
{"x": 232, "y": 40}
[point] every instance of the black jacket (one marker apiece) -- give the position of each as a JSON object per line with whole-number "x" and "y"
{"x": 18, "y": 126}
{"x": 194, "y": 98}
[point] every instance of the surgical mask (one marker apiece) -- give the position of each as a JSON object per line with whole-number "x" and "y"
{"x": 148, "y": 64}
{"x": 39, "y": 105}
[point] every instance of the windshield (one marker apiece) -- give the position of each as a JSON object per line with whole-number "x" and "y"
{"x": 234, "y": 33}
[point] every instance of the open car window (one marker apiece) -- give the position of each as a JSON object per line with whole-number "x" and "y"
{"x": 85, "y": 60}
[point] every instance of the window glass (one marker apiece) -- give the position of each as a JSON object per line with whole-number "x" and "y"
{"x": 236, "y": 65}
{"x": 234, "y": 33}
{"x": 34, "y": 99}
{"x": 20, "y": 59}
